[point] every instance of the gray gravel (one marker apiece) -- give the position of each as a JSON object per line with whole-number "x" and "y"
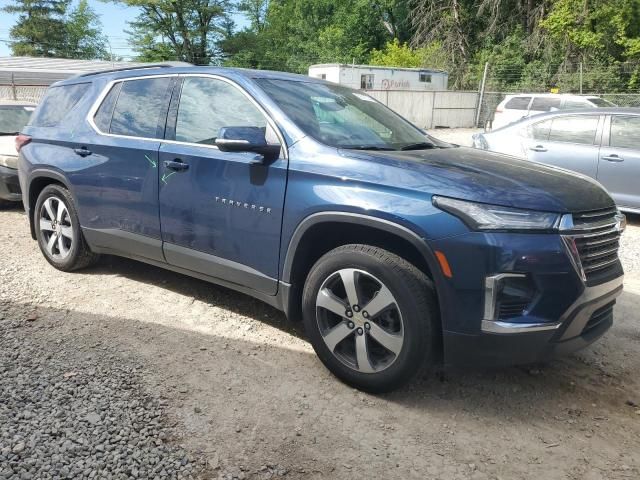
{"x": 66, "y": 413}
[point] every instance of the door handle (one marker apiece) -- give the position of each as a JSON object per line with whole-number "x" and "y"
{"x": 82, "y": 151}
{"x": 538, "y": 148}
{"x": 176, "y": 165}
{"x": 613, "y": 158}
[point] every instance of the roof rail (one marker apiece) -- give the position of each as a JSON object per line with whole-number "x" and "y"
{"x": 138, "y": 67}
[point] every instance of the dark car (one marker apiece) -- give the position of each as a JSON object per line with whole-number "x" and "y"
{"x": 394, "y": 248}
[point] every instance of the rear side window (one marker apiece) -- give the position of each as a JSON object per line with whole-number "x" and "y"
{"x": 518, "y": 103}
{"x": 625, "y": 132}
{"x": 103, "y": 116}
{"x": 139, "y": 107}
{"x": 545, "y": 104}
{"x": 574, "y": 129}
{"x": 57, "y": 103}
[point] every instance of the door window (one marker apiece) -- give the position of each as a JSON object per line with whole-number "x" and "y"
{"x": 572, "y": 104}
{"x": 540, "y": 130}
{"x": 518, "y": 103}
{"x": 544, "y": 104}
{"x": 625, "y": 132}
{"x": 208, "y": 104}
{"x": 140, "y": 105}
{"x": 103, "y": 116}
{"x": 574, "y": 129}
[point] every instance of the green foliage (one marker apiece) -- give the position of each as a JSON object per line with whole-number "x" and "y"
{"x": 396, "y": 54}
{"x": 84, "y": 38}
{"x": 40, "y": 29}
{"x": 45, "y": 28}
{"x": 186, "y": 30}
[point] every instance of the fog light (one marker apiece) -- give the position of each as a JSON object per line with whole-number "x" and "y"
{"x": 507, "y": 295}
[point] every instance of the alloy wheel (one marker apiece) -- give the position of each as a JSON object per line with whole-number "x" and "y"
{"x": 56, "y": 228}
{"x": 359, "y": 320}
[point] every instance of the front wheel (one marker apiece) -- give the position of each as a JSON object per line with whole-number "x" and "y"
{"x": 371, "y": 316}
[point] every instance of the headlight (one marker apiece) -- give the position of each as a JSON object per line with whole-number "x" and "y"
{"x": 480, "y": 216}
{"x": 10, "y": 161}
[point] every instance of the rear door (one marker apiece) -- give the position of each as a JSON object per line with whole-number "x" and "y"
{"x": 619, "y": 168}
{"x": 118, "y": 189}
{"x": 515, "y": 109}
{"x": 221, "y": 212}
{"x": 570, "y": 142}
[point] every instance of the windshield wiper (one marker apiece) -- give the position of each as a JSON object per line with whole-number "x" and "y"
{"x": 369, "y": 147}
{"x": 8, "y": 133}
{"x": 418, "y": 146}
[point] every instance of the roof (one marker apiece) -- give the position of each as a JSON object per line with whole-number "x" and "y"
{"x": 551, "y": 95}
{"x": 45, "y": 71}
{"x": 377, "y": 67}
{"x": 19, "y": 103}
{"x": 151, "y": 70}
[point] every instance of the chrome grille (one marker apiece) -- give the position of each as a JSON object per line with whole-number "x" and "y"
{"x": 593, "y": 240}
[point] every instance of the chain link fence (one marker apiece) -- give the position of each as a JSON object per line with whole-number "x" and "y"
{"x": 29, "y": 93}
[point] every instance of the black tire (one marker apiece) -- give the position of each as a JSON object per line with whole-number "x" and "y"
{"x": 79, "y": 254}
{"x": 414, "y": 296}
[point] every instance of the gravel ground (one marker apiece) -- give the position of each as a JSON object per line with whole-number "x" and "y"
{"x": 128, "y": 370}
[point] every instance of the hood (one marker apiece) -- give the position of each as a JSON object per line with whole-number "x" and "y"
{"x": 485, "y": 177}
{"x": 8, "y": 145}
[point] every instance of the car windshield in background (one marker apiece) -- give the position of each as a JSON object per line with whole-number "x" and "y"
{"x": 13, "y": 118}
{"x": 344, "y": 118}
{"x": 601, "y": 102}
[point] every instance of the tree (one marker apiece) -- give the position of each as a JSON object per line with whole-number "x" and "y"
{"x": 40, "y": 30}
{"x": 84, "y": 38}
{"x": 184, "y": 30}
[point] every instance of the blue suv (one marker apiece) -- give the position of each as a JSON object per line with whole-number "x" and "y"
{"x": 395, "y": 249}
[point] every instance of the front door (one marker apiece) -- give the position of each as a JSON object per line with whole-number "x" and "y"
{"x": 220, "y": 212}
{"x": 570, "y": 142}
{"x": 619, "y": 168}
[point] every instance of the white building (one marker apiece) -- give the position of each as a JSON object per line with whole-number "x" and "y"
{"x": 368, "y": 77}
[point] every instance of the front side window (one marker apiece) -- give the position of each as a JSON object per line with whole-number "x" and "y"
{"x": 13, "y": 118}
{"x": 601, "y": 102}
{"x": 574, "y": 129}
{"x": 366, "y": 82}
{"x": 518, "y": 103}
{"x": 540, "y": 130}
{"x": 140, "y": 106}
{"x": 545, "y": 104}
{"x": 207, "y": 105}
{"x": 625, "y": 132}
{"x": 344, "y": 118}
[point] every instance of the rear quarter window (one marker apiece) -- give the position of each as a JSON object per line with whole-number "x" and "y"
{"x": 57, "y": 103}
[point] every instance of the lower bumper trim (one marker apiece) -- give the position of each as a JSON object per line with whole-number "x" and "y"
{"x": 490, "y": 326}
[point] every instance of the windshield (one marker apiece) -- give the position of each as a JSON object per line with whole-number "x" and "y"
{"x": 601, "y": 102}
{"x": 344, "y": 118}
{"x": 13, "y": 118}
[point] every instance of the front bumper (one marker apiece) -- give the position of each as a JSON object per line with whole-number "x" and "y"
{"x": 504, "y": 343}
{"x": 564, "y": 315}
{"x": 9, "y": 185}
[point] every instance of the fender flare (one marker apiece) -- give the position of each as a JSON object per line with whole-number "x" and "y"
{"x": 365, "y": 220}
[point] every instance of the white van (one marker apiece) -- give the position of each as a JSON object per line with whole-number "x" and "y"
{"x": 515, "y": 107}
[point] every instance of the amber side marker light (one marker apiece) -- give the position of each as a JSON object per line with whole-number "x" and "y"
{"x": 444, "y": 264}
{"x": 21, "y": 141}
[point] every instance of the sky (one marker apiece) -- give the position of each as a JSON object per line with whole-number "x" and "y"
{"x": 114, "y": 19}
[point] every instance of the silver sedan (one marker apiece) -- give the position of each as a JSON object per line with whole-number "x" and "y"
{"x": 602, "y": 143}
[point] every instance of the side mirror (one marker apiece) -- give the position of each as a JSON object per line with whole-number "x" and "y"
{"x": 246, "y": 139}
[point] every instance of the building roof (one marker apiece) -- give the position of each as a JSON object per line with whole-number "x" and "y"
{"x": 45, "y": 71}
{"x": 377, "y": 67}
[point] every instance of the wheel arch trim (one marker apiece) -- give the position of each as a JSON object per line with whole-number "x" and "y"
{"x": 37, "y": 174}
{"x": 363, "y": 220}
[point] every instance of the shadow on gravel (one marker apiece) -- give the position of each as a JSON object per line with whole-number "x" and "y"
{"x": 212, "y": 294}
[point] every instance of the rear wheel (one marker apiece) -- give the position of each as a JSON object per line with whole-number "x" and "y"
{"x": 370, "y": 316}
{"x": 58, "y": 230}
